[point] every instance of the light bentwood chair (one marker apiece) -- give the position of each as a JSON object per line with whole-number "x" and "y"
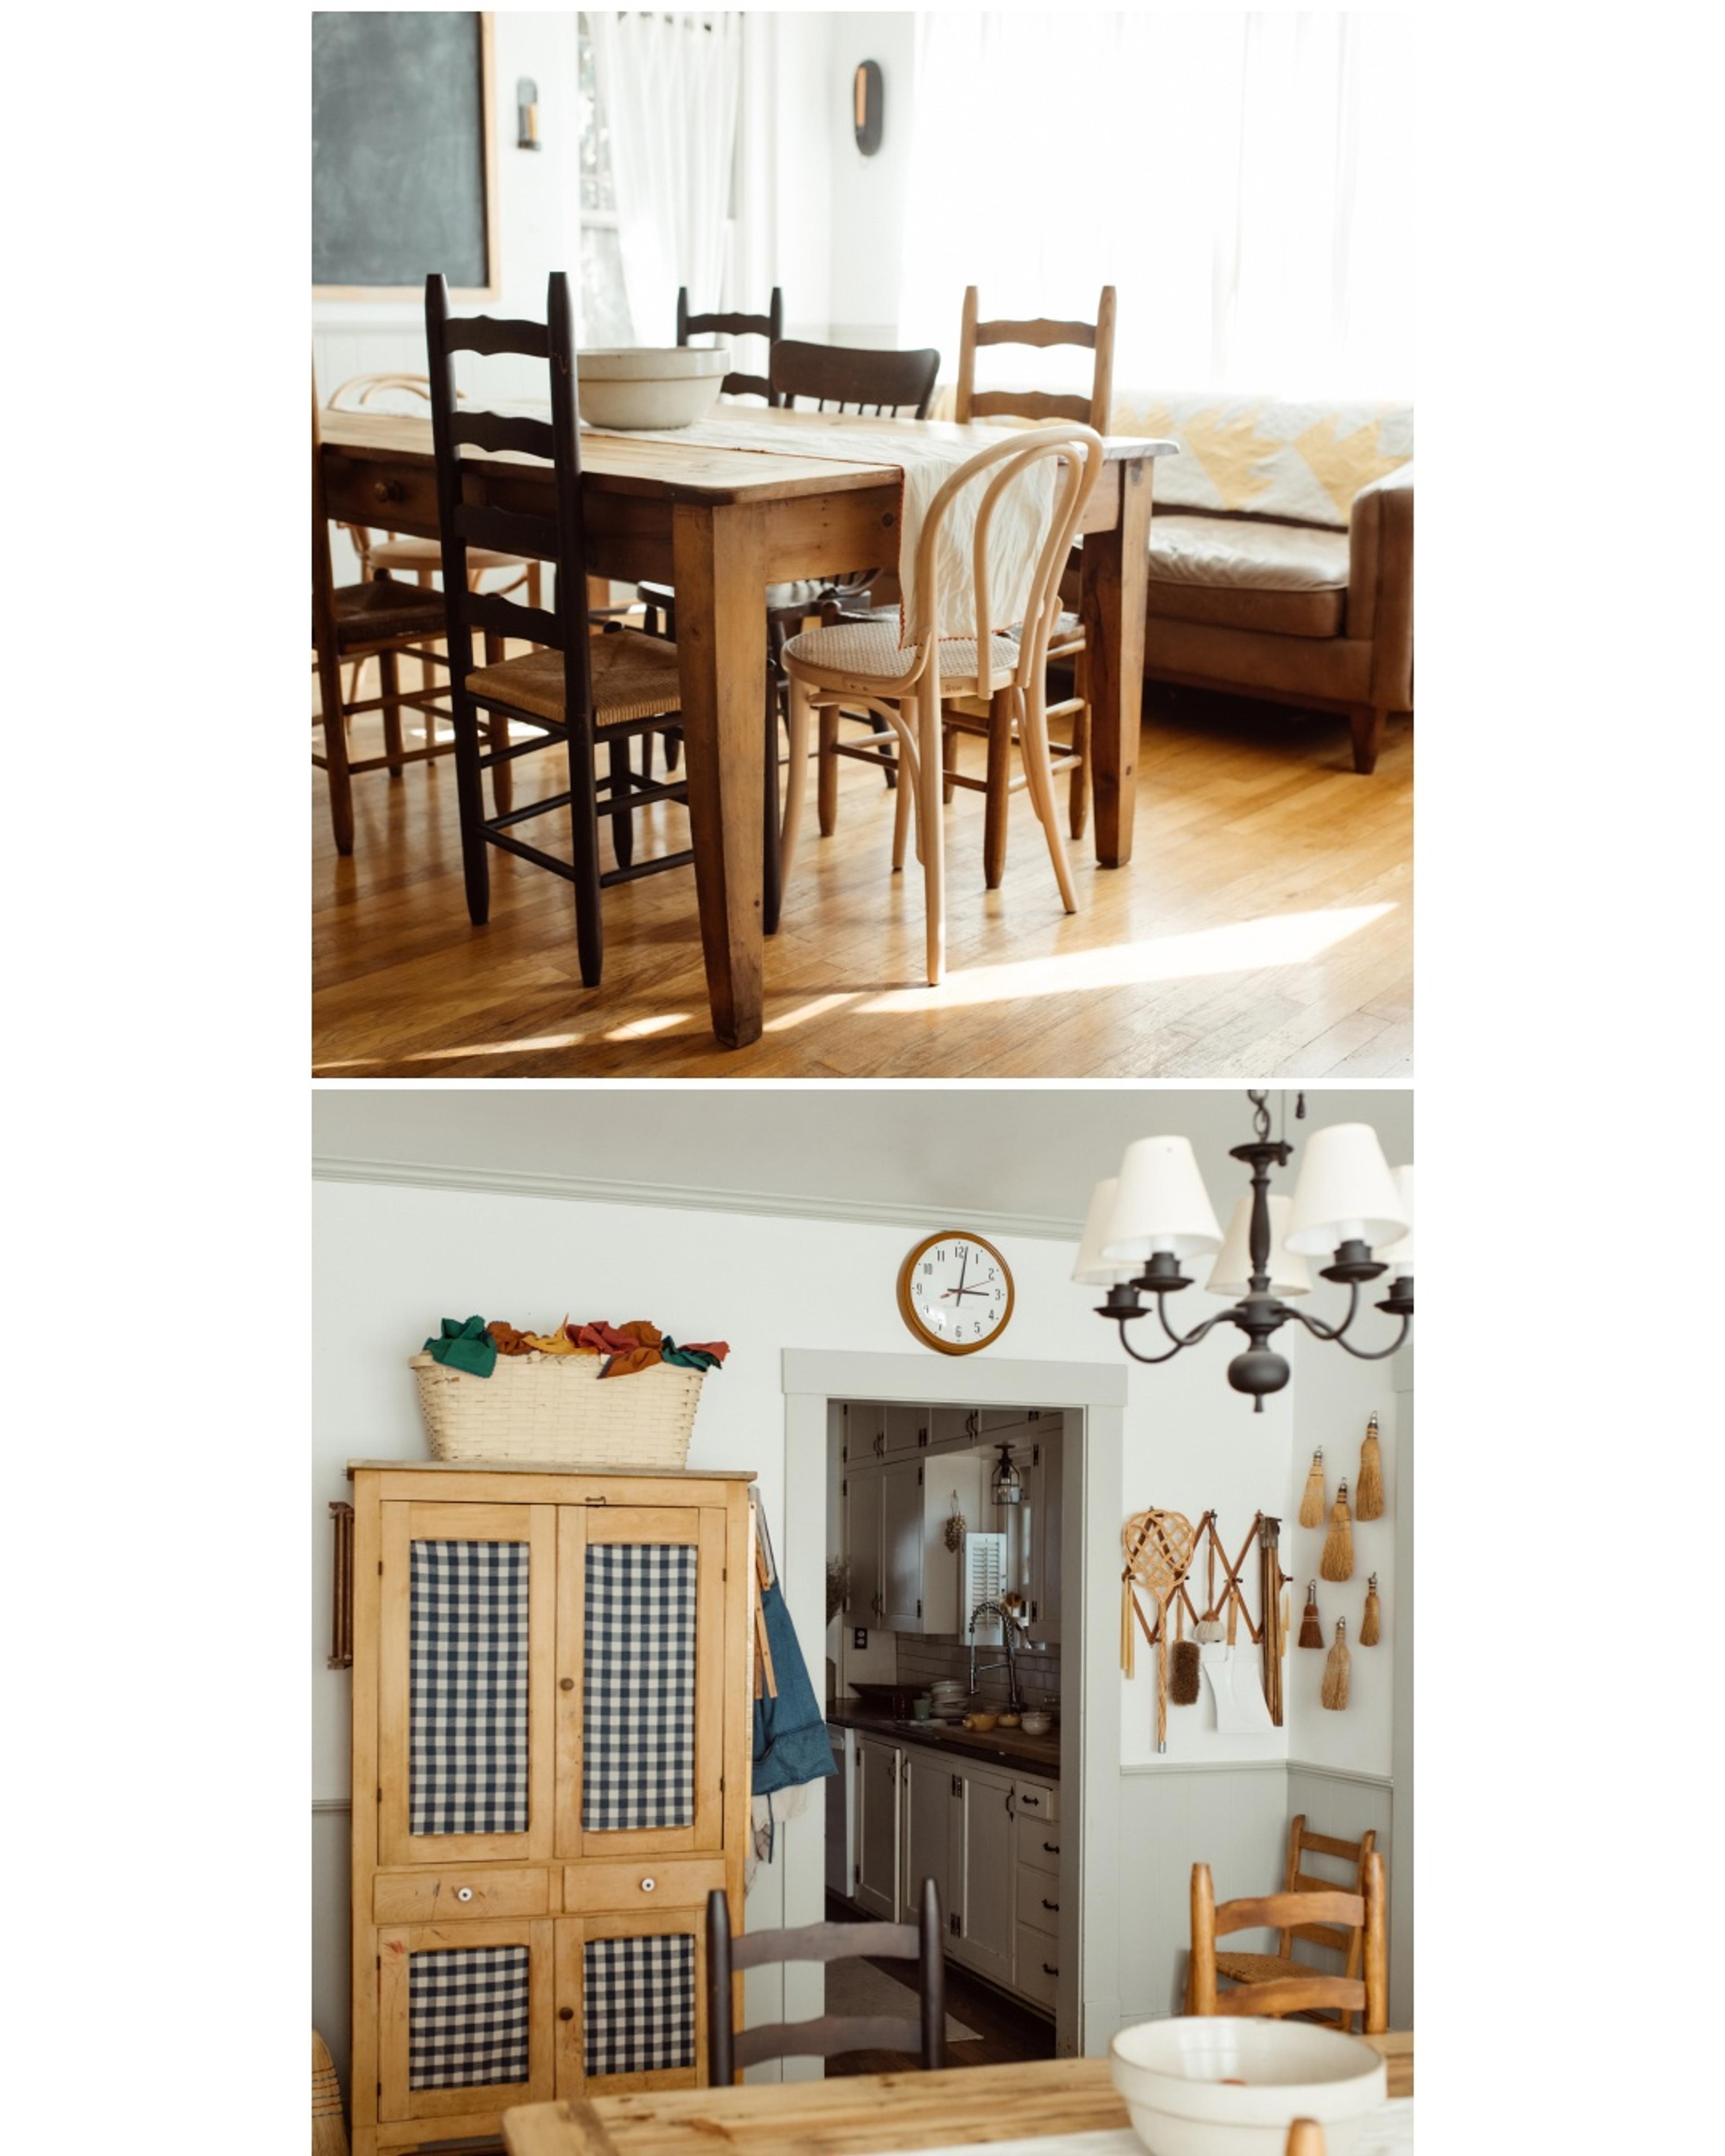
{"x": 862, "y": 662}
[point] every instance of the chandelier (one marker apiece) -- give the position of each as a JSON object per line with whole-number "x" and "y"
{"x": 1143, "y": 1223}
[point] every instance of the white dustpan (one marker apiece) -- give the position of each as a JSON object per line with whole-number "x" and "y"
{"x": 1232, "y": 1674}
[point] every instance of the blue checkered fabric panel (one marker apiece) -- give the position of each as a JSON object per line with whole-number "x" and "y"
{"x": 467, "y": 2017}
{"x": 639, "y": 1748}
{"x": 639, "y": 1996}
{"x": 467, "y": 1685}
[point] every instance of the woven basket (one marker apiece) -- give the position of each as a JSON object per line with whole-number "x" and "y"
{"x": 552, "y": 1409}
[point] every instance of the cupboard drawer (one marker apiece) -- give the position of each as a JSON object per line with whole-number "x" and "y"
{"x": 1039, "y": 1904}
{"x": 477, "y": 1890}
{"x": 408, "y": 503}
{"x": 1036, "y": 1800}
{"x": 1036, "y": 1966}
{"x": 678, "y": 1882}
{"x": 1038, "y": 1844}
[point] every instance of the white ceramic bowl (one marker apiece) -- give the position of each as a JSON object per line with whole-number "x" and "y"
{"x": 670, "y": 386}
{"x": 1035, "y": 1723}
{"x": 1224, "y": 2084}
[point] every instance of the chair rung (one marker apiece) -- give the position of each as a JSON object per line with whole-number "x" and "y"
{"x": 502, "y": 822}
{"x": 655, "y": 867}
{"x": 355, "y": 766}
{"x": 864, "y": 754}
{"x": 527, "y": 853}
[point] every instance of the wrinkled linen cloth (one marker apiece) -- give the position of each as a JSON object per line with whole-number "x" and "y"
{"x": 928, "y": 453}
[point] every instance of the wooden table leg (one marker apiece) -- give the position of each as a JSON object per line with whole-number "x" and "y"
{"x": 1115, "y": 566}
{"x": 718, "y": 561}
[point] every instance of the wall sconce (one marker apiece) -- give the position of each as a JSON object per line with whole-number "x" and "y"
{"x": 526, "y": 114}
{"x": 866, "y": 94}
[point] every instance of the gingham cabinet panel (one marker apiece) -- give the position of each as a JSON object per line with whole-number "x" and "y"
{"x": 641, "y": 1622}
{"x": 466, "y": 1742}
{"x": 465, "y": 2017}
{"x": 634, "y": 1991}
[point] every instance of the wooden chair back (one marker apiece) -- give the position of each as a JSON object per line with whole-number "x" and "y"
{"x": 850, "y": 378}
{"x": 1353, "y": 1853}
{"x": 1367, "y": 1993}
{"x": 1080, "y": 452}
{"x": 770, "y": 326}
{"x": 560, "y": 539}
{"x": 729, "y": 2048}
{"x": 1097, "y": 336}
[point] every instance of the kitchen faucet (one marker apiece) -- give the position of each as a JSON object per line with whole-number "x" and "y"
{"x": 1008, "y": 1628}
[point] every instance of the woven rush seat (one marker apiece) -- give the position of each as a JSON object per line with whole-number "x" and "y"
{"x": 871, "y": 648}
{"x": 417, "y": 554}
{"x": 1262, "y": 1968}
{"x": 634, "y": 677}
{"x": 374, "y": 612}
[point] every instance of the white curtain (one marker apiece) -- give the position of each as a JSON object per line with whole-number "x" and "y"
{"x": 1245, "y": 180}
{"x": 669, "y": 84}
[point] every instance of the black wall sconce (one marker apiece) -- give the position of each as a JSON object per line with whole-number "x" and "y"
{"x": 526, "y": 114}
{"x": 866, "y": 95}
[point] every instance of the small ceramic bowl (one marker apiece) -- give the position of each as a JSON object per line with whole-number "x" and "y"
{"x": 1035, "y": 1723}
{"x": 1224, "y": 2084}
{"x": 1008, "y": 1720}
{"x": 980, "y": 1720}
{"x": 668, "y": 386}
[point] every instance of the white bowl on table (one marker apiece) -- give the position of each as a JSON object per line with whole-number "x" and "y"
{"x": 642, "y": 386}
{"x": 1228, "y": 2085}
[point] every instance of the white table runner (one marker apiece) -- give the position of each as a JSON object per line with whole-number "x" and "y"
{"x": 927, "y": 458}
{"x": 1388, "y": 2132}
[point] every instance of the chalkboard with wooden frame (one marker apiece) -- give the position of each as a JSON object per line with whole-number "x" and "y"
{"x": 404, "y": 154}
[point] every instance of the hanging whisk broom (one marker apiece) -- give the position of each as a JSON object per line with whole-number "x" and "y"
{"x": 1371, "y": 1629}
{"x": 1312, "y": 1633}
{"x": 1336, "y": 1561}
{"x": 1311, "y": 1498}
{"x": 1334, "y": 1694}
{"x": 1183, "y": 1685}
{"x": 1368, "y": 1497}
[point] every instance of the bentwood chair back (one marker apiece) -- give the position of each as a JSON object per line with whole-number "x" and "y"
{"x": 581, "y": 685}
{"x": 730, "y": 2049}
{"x": 862, "y": 662}
{"x": 1367, "y": 1993}
{"x": 1350, "y": 1943}
{"x": 770, "y": 326}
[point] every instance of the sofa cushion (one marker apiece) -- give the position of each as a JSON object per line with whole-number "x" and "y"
{"x": 1246, "y": 573}
{"x": 1267, "y": 456}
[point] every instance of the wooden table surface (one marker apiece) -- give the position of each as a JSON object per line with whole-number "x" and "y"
{"x": 857, "y": 2114}
{"x": 721, "y": 525}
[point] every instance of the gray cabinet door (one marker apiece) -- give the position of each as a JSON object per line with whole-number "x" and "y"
{"x": 905, "y": 1430}
{"x": 862, "y": 1543}
{"x": 901, "y": 1545}
{"x": 1045, "y": 1537}
{"x": 934, "y": 1800}
{"x": 877, "y": 1828}
{"x": 988, "y": 1917}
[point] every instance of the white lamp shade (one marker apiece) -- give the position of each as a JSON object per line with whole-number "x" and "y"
{"x": 1092, "y": 1268}
{"x": 1161, "y": 1204}
{"x": 1399, "y": 1256}
{"x": 1346, "y": 1193}
{"x": 1232, "y": 1276}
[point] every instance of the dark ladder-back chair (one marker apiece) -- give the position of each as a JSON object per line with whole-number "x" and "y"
{"x": 582, "y": 686}
{"x": 770, "y": 326}
{"x": 729, "y": 2049}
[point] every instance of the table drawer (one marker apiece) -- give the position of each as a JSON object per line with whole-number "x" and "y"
{"x": 477, "y": 1890}
{"x": 1036, "y": 1968}
{"x": 1039, "y": 1900}
{"x": 406, "y": 501}
{"x": 676, "y": 1882}
{"x": 1038, "y": 1844}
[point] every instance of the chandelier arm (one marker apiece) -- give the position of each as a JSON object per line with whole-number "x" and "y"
{"x": 1133, "y": 1351}
{"x": 1377, "y": 1354}
{"x": 1191, "y": 1338}
{"x": 1320, "y": 1331}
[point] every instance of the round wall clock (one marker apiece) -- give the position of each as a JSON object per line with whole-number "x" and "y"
{"x": 955, "y": 1293}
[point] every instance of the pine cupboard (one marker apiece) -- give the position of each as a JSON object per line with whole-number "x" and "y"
{"x": 552, "y": 1709}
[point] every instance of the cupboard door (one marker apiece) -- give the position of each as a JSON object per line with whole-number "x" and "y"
{"x": 902, "y": 1536}
{"x": 987, "y": 1915}
{"x": 641, "y": 1667}
{"x": 905, "y": 1430}
{"x": 864, "y": 1431}
{"x": 863, "y": 1499}
{"x": 877, "y": 1828}
{"x": 464, "y": 1755}
{"x": 933, "y": 1800}
{"x": 1045, "y": 1486}
{"x": 464, "y": 2018}
{"x": 631, "y": 2010}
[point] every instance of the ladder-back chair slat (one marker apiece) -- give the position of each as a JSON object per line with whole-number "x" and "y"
{"x": 495, "y": 430}
{"x": 770, "y": 326}
{"x": 491, "y": 335}
{"x": 1036, "y": 333}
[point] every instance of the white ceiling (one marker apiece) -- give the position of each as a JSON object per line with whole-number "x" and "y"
{"x": 1030, "y": 1153}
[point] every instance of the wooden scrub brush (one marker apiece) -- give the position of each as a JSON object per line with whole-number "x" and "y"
{"x": 1334, "y": 1694}
{"x": 1312, "y": 1633}
{"x": 1371, "y": 1629}
{"x": 1336, "y": 1561}
{"x": 1182, "y": 1682}
{"x": 1311, "y": 1498}
{"x": 1369, "y": 1496}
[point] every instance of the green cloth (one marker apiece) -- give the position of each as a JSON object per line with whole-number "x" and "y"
{"x": 466, "y": 1346}
{"x": 686, "y": 1358}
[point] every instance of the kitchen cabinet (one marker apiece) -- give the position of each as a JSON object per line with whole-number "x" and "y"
{"x": 985, "y": 1881}
{"x": 879, "y": 1828}
{"x": 876, "y": 1430}
{"x": 932, "y": 1792}
{"x": 552, "y": 1707}
{"x": 1043, "y": 1488}
{"x": 864, "y": 1496}
{"x": 903, "y": 1578}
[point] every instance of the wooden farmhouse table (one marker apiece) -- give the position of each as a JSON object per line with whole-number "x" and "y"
{"x": 721, "y": 525}
{"x": 856, "y": 2115}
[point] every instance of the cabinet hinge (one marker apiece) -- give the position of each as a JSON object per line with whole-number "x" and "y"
{"x": 919, "y": 1476}
{"x": 856, "y": 1875}
{"x": 1036, "y": 1456}
{"x": 380, "y": 1961}
{"x": 957, "y": 1785}
{"x": 380, "y": 2088}
{"x": 380, "y": 1568}
{"x": 380, "y": 1795}
{"x": 1035, "y": 1415}
{"x": 1033, "y": 1612}
{"x": 919, "y": 1606}
{"x": 923, "y": 1437}
{"x": 953, "y": 1923}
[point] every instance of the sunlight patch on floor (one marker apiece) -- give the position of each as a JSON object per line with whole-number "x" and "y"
{"x": 638, "y": 1028}
{"x": 1243, "y": 946}
{"x": 495, "y": 1048}
{"x": 820, "y": 1007}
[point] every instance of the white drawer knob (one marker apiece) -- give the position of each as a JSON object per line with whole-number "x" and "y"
{"x": 647, "y": 1885}
{"x": 464, "y": 1893}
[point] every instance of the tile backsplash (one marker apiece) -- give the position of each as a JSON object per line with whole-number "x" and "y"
{"x": 921, "y": 1661}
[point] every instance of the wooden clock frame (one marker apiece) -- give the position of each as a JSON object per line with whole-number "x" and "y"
{"x": 906, "y": 1309}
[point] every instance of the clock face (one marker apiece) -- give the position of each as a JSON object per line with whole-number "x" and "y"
{"x": 955, "y": 1293}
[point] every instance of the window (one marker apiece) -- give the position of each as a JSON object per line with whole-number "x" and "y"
{"x": 604, "y": 304}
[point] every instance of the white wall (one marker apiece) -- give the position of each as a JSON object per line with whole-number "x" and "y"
{"x": 871, "y": 223}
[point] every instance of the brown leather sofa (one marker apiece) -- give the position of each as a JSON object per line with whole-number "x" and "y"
{"x": 1296, "y": 613}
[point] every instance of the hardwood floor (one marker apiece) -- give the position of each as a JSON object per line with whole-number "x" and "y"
{"x": 1005, "y": 2030}
{"x": 1264, "y": 931}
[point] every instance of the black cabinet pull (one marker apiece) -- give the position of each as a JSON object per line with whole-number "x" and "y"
{"x": 1051, "y": 1848}
{"x": 1047, "y": 1971}
{"x": 1047, "y": 1904}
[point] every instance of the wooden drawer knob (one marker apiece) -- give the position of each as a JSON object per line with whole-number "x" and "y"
{"x": 565, "y": 1684}
{"x": 386, "y": 490}
{"x": 648, "y": 1885}
{"x": 464, "y": 1893}
{"x": 566, "y": 2014}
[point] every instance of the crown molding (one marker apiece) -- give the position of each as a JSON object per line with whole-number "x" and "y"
{"x": 690, "y": 1198}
